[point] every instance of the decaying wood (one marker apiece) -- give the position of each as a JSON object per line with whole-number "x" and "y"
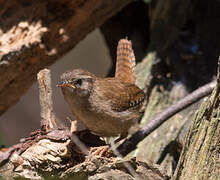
{"x": 33, "y": 34}
{"x": 131, "y": 144}
{"x": 163, "y": 32}
{"x": 103, "y": 168}
{"x": 47, "y": 159}
{"x": 46, "y": 102}
{"x": 200, "y": 158}
{"x": 167, "y": 18}
{"x": 54, "y": 153}
{"x": 173, "y": 70}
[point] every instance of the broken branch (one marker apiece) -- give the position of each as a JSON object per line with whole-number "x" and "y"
{"x": 46, "y": 102}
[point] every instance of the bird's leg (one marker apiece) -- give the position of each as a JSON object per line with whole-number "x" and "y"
{"x": 122, "y": 136}
{"x": 105, "y": 150}
{"x": 100, "y": 151}
{"x": 76, "y": 126}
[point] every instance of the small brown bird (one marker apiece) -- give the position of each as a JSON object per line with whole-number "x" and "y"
{"x": 105, "y": 106}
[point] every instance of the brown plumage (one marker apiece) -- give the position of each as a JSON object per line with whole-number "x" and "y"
{"x": 125, "y": 62}
{"x": 123, "y": 94}
{"x": 106, "y": 106}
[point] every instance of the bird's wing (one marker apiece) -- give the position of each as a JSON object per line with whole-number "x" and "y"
{"x": 125, "y": 62}
{"x": 122, "y": 95}
{"x": 131, "y": 97}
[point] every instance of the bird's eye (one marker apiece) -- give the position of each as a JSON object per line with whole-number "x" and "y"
{"x": 78, "y": 82}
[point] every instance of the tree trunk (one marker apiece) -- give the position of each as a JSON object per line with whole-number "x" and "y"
{"x": 175, "y": 28}
{"x": 169, "y": 71}
{"x": 200, "y": 157}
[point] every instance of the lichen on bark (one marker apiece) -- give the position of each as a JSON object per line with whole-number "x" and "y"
{"x": 200, "y": 158}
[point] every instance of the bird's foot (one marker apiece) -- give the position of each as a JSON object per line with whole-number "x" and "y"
{"x": 103, "y": 151}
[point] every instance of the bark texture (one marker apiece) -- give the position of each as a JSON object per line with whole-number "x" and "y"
{"x": 200, "y": 157}
{"x": 152, "y": 73}
{"x": 34, "y": 34}
{"x": 56, "y": 153}
{"x": 162, "y": 146}
{"x": 170, "y": 69}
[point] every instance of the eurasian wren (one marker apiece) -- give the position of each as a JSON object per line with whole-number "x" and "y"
{"x": 106, "y": 106}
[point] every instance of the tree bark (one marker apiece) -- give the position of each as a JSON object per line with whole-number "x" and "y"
{"x": 175, "y": 73}
{"x": 162, "y": 93}
{"x": 169, "y": 68}
{"x": 55, "y": 153}
{"x": 200, "y": 156}
{"x": 34, "y": 34}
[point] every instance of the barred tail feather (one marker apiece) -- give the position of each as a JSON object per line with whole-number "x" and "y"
{"x": 125, "y": 61}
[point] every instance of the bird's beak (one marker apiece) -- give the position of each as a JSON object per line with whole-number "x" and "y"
{"x": 65, "y": 84}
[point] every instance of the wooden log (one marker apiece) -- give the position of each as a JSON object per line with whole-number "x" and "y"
{"x": 34, "y": 34}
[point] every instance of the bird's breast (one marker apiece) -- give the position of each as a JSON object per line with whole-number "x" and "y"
{"x": 98, "y": 116}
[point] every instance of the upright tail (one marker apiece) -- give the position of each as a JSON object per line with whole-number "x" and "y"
{"x": 125, "y": 61}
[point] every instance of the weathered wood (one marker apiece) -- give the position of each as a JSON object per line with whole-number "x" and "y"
{"x": 59, "y": 154}
{"x": 34, "y": 34}
{"x": 164, "y": 93}
{"x": 175, "y": 68}
{"x": 45, "y": 96}
{"x": 130, "y": 144}
{"x": 200, "y": 156}
{"x": 49, "y": 158}
{"x": 154, "y": 147}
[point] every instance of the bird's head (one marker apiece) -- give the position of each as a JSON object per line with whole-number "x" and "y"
{"x": 77, "y": 82}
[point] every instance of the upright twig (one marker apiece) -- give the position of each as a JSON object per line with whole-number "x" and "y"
{"x": 46, "y": 103}
{"x": 130, "y": 144}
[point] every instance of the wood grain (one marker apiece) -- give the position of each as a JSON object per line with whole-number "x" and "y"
{"x": 34, "y": 34}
